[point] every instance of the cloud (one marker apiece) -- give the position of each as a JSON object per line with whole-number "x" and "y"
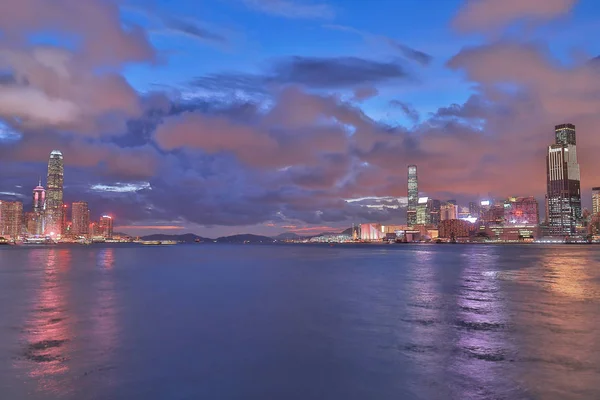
{"x": 486, "y": 15}
{"x": 194, "y": 30}
{"x": 364, "y": 93}
{"x": 406, "y": 51}
{"x": 297, "y": 9}
{"x": 407, "y": 109}
{"x": 311, "y": 72}
{"x": 104, "y": 39}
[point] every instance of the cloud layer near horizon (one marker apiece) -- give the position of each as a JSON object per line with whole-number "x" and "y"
{"x": 285, "y": 146}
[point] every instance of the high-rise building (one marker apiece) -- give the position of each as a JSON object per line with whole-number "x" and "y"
{"x": 11, "y": 219}
{"x": 413, "y": 196}
{"x": 563, "y": 198}
{"x": 39, "y": 210}
{"x": 80, "y": 217}
{"x": 106, "y": 226}
{"x": 54, "y": 194}
{"x": 595, "y": 200}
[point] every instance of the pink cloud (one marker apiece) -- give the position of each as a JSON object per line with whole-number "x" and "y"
{"x": 486, "y": 15}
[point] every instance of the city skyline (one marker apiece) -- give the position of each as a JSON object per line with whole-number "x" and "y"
{"x": 200, "y": 120}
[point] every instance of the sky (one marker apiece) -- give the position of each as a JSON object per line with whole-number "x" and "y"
{"x": 220, "y": 117}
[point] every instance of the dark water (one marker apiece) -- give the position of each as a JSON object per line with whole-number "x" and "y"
{"x": 300, "y": 322}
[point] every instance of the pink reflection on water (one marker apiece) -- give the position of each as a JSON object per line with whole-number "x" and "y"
{"x": 47, "y": 332}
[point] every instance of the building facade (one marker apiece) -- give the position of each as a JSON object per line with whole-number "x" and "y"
{"x": 39, "y": 209}
{"x": 563, "y": 197}
{"x": 105, "y": 226}
{"x": 80, "y": 219}
{"x": 413, "y": 196}
{"x": 54, "y": 194}
{"x": 448, "y": 211}
{"x": 521, "y": 211}
{"x": 455, "y": 228}
{"x": 595, "y": 200}
{"x": 11, "y": 219}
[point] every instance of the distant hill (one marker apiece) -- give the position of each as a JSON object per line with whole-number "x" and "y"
{"x": 288, "y": 236}
{"x": 186, "y": 237}
{"x": 245, "y": 238}
{"x": 348, "y": 231}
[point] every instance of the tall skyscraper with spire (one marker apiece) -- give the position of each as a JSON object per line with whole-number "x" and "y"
{"x": 54, "y": 194}
{"x": 413, "y": 196}
{"x": 563, "y": 198}
{"x": 39, "y": 208}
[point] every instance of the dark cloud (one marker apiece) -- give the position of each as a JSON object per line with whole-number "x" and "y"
{"x": 406, "y": 51}
{"x": 407, "y": 109}
{"x": 312, "y": 72}
{"x": 410, "y": 53}
{"x": 336, "y": 72}
{"x": 194, "y": 30}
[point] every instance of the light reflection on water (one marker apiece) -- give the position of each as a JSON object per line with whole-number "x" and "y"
{"x": 297, "y": 322}
{"x": 47, "y": 333}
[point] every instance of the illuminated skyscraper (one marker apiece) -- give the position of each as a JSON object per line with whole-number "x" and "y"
{"x": 563, "y": 198}
{"x": 11, "y": 219}
{"x": 80, "y": 217}
{"x": 39, "y": 210}
{"x": 54, "y": 194}
{"x": 413, "y": 196}
{"x": 106, "y": 226}
{"x": 595, "y": 200}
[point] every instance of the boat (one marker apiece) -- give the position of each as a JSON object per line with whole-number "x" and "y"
{"x": 4, "y": 241}
{"x": 157, "y": 242}
{"x": 38, "y": 241}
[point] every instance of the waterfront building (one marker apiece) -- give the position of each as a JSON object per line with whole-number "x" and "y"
{"x": 448, "y": 211}
{"x": 31, "y": 222}
{"x": 595, "y": 200}
{"x": 521, "y": 211}
{"x": 492, "y": 214}
{"x": 54, "y": 194}
{"x": 105, "y": 226}
{"x": 371, "y": 232}
{"x": 80, "y": 219}
{"x": 423, "y": 216}
{"x": 455, "y": 228}
{"x": 434, "y": 208}
{"x": 39, "y": 209}
{"x": 463, "y": 212}
{"x": 413, "y": 196}
{"x": 563, "y": 197}
{"x": 11, "y": 219}
{"x": 474, "y": 209}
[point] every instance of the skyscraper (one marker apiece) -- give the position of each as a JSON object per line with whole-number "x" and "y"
{"x": 39, "y": 209}
{"x": 563, "y": 198}
{"x": 80, "y": 217}
{"x": 595, "y": 200}
{"x": 106, "y": 226}
{"x": 11, "y": 219}
{"x": 54, "y": 194}
{"x": 413, "y": 196}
